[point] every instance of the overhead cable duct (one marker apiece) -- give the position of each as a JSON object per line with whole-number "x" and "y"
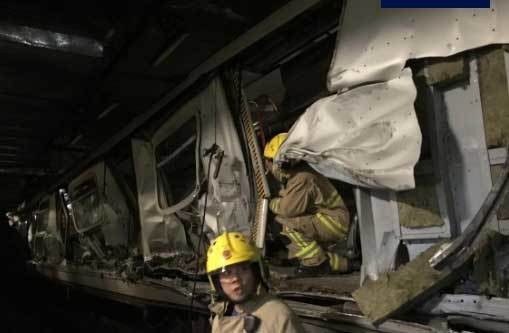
{"x": 51, "y": 40}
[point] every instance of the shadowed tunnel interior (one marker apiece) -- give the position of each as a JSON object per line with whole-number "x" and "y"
{"x": 72, "y": 76}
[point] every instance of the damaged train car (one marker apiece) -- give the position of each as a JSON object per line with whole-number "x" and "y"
{"x": 406, "y": 112}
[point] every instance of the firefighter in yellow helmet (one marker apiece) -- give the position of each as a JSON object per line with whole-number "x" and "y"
{"x": 312, "y": 214}
{"x": 241, "y": 302}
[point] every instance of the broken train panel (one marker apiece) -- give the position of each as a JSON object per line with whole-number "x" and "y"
{"x": 99, "y": 218}
{"x": 192, "y": 171}
{"x": 88, "y": 224}
{"x": 44, "y": 236}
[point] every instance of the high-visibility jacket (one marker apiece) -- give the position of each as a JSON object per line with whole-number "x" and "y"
{"x": 310, "y": 193}
{"x": 272, "y": 313}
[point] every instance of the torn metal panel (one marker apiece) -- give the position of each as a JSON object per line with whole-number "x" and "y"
{"x": 229, "y": 193}
{"x": 463, "y": 140}
{"x": 480, "y": 307}
{"x": 356, "y": 138}
{"x": 229, "y": 182}
{"x": 97, "y": 201}
{"x": 155, "y": 228}
{"x": 380, "y": 233}
{"x": 51, "y": 40}
{"x": 47, "y": 243}
{"x": 373, "y": 44}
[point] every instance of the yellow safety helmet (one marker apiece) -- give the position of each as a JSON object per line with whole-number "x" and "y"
{"x": 274, "y": 144}
{"x": 228, "y": 249}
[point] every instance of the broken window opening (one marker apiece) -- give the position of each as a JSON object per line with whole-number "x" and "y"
{"x": 86, "y": 208}
{"x": 177, "y": 164}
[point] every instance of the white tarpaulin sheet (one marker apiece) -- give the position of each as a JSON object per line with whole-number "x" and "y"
{"x": 368, "y": 136}
{"x": 374, "y": 44}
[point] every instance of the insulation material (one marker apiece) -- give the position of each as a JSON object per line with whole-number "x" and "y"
{"x": 494, "y": 97}
{"x": 377, "y": 299}
{"x": 445, "y": 71}
{"x": 368, "y": 136}
{"x": 419, "y": 208}
{"x": 373, "y": 44}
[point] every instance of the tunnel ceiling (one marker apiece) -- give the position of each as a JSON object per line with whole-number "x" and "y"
{"x": 74, "y": 73}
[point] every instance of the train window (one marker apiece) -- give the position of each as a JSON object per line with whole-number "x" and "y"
{"x": 43, "y": 216}
{"x": 86, "y": 206}
{"x": 176, "y": 159}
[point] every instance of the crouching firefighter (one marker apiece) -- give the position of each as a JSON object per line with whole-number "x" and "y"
{"x": 312, "y": 214}
{"x": 240, "y": 300}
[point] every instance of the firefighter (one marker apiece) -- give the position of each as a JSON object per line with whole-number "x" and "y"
{"x": 241, "y": 302}
{"x": 312, "y": 214}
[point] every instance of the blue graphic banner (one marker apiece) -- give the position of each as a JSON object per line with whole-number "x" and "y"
{"x": 435, "y": 3}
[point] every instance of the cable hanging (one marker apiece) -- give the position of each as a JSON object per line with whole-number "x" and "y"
{"x": 211, "y": 151}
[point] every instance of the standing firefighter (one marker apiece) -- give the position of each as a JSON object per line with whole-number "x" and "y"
{"x": 311, "y": 212}
{"x": 243, "y": 305}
